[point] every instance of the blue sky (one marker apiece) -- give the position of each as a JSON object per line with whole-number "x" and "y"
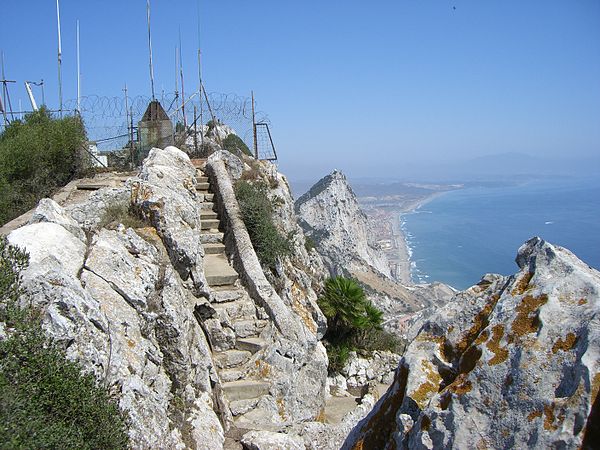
{"x": 368, "y": 87}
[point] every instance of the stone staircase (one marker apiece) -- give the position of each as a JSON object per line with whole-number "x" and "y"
{"x": 235, "y": 330}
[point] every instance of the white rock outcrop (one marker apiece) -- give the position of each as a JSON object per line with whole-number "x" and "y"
{"x": 116, "y": 301}
{"x": 513, "y": 362}
{"x": 330, "y": 215}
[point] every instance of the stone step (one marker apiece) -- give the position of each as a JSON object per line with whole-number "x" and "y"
{"x": 213, "y": 249}
{"x": 208, "y": 237}
{"x": 245, "y": 389}
{"x": 239, "y": 407}
{"x": 206, "y": 214}
{"x": 247, "y": 328}
{"x": 228, "y": 295}
{"x": 228, "y": 375}
{"x": 198, "y": 163}
{"x": 209, "y": 224}
{"x": 210, "y": 206}
{"x": 236, "y": 310}
{"x": 250, "y": 344}
{"x": 218, "y": 272}
{"x": 231, "y": 358}
{"x": 209, "y": 197}
{"x": 202, "y": 186}
{"x": 201, "y": 179}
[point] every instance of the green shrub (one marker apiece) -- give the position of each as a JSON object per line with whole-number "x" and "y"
{"x": 37, "y": 156}
{"x": 234, "y": 144}
{"x": 45, "y": 401}
{"x": 257, "y": 214}
{"x": 353, "y": 323}
{"x": 338, "y": 356}
{"x": 309, "y": 243}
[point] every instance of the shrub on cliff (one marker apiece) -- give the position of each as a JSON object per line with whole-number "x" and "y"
{"x": 37, "y": 155}
{"x": 353, "y": 322}
{"x": 45, "y": 400}
{"x": 257, "y": 214}
{"x": 234, "y": 144}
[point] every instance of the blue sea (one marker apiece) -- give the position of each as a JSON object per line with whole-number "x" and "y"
{"x": 463, "y": 234}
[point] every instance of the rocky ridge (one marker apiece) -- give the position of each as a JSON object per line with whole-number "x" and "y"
{"x": 191, "y": 349}
{"x": 512, "y": 362}
{"x": 330, "y": 215}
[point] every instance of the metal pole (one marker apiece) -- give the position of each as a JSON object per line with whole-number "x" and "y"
{"x": 59, "y": 61}
{"x": 149, "y": 48}
{"x": 3, "y": 88}
{"x": 200, "y": 79}
{"x": 212, "y": 116}
{"x": 182, "y": 91}
{"x": 195, "y": 131}
{"x": 131, "y": 140}
{"x": 43, "y": 96}
{"x": 254, "y": 129}
{"x": 78, "y": 74}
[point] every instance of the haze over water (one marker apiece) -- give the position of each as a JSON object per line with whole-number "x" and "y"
{"x": 461, "y": 235}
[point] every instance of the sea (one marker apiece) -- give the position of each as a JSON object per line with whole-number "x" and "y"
{"x": 460, "y": 235}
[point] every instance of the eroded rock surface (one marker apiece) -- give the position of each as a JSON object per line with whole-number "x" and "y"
{"x": 331, "y": 216}
{"x": 513, "y": 362}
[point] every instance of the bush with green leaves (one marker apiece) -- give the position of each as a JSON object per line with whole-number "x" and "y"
{"x": 353, "y": 322}
{"x": 257, "y": 214}
{"x": 234, "y": 144}
{"x": 37, "y": 156}
{"x": 45, "y": 400}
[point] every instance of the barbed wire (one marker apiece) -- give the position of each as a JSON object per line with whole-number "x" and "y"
{"x": 106, "y": 118}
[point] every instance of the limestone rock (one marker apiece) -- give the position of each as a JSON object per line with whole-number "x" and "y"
{"x": 363, "y": 371}
{"x": 50, "y": 246}
{"x": 165, "y": 195}
{"x": 512, "y": 362}
{"x": 330, "y": 214}
{"x": 268, "y": 440}
{"x": 48, "y": 210}
{"x": 118, "y": 306}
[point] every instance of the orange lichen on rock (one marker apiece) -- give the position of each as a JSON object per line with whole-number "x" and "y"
{"x": 525, "y": 322}
{"x": 534, "y": 415}
{"x": 522, "y": 284}
{"x": 549, "y": 418}
{"x": 377, "y": 430}
{"x": 500, "y": 353}
{"x": 424, "y": 392}
{"x": 566, "y": 345}
{"x": 482, "y": 337}
{"x": 479, "y": 323}
{"x": 582, "y": 301}
{"x": 461, "y": 385}
{"x": 359, "y": 445}
{"x": 595, "y": 387}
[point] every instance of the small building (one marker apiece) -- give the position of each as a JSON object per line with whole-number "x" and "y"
{"x": 154, "y": 130}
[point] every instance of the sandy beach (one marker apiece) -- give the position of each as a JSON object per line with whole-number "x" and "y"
{"x": 389, "y": 220}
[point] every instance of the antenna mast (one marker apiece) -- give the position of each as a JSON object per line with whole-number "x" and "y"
{"x": 181, "y": 74}
{"x": 78, "y": 74}
{"x": 60, "y": 109}
{"x": 200, "y": 79}
{"x": 149, "y": 48}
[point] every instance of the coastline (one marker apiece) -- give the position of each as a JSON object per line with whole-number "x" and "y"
{"x": 399, "y": 252}
{"x": 403, "y": 271}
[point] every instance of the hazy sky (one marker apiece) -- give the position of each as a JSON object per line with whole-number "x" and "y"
{"x": 368, "y": 87}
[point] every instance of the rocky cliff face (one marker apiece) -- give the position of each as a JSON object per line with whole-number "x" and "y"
{"x": 330, "y": 215}
{"x": 512, "y": 362}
